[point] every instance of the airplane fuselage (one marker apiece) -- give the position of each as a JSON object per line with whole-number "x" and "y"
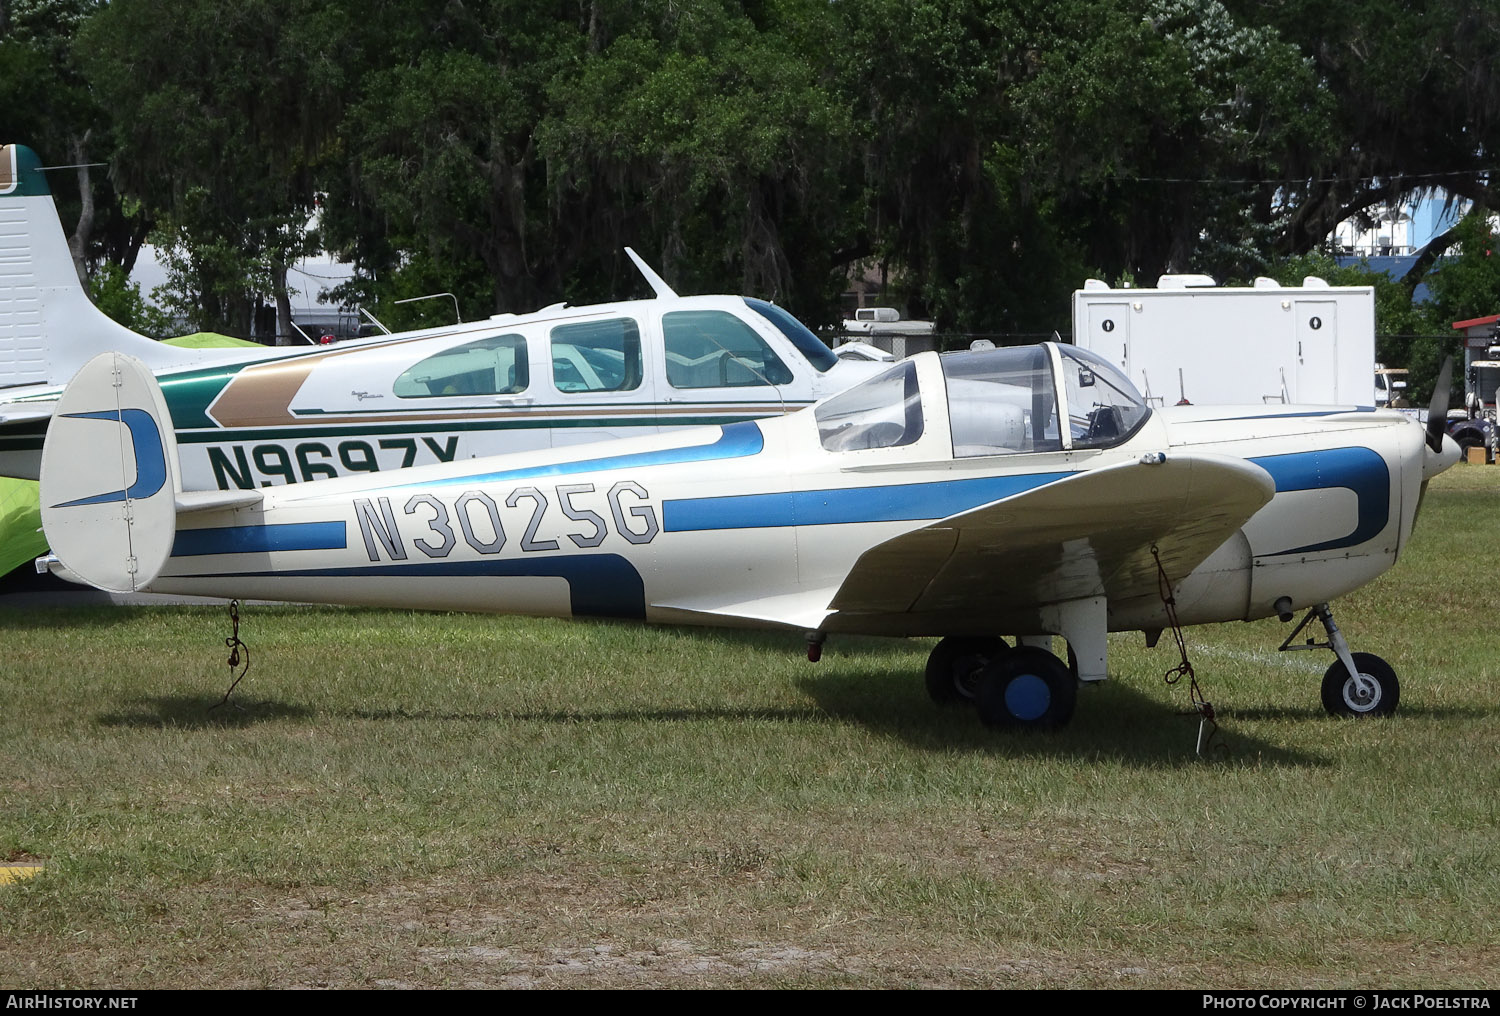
{"x": 657, "y": 529}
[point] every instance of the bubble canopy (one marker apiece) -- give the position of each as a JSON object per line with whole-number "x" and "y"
{"x": 1000, "y": 402}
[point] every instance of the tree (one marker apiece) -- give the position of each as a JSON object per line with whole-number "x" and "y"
{"x": 222, "y": 115}
{"x": 707, "y": 140}
{"x": 1415, "y": 106}
{"x": 50, "y": 108}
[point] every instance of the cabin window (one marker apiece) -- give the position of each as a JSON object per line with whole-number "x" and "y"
{"x": 884, "y": 412}
{"x": 495, "y": 365}
{"x": 1002, "y": 401}
{"x": 597, "y": 356}
{"x": 712, "y": 349}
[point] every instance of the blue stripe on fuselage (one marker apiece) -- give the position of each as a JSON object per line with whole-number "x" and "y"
{"x": 736, "y": 440}
{"x": 261, "y": 539}
{"x": 1361, "y": 470}
{"x": 599, "y": 585}
{"x": 902, "y": 502}
{"x": 1342, "y": 411}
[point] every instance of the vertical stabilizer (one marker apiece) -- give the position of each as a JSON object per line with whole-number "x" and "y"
{"x": 109, "y": 475}
{"x": 48, "y": 325}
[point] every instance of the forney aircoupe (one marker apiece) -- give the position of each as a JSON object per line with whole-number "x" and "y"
{"x": 1016, "y": 492}
{"x": 247, "y": 418}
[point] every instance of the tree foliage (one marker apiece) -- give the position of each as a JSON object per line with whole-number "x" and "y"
{"x": 983, "y": 156}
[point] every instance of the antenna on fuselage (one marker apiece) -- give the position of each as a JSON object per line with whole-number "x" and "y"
{"x": 655, "y": 281}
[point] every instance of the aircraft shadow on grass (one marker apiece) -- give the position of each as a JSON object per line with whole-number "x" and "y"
{"x": 1123, "y": 725}
{"x": 202, "y": 712}
{"x": 1119, "y": 724}
{"x": 1409, "y": 711}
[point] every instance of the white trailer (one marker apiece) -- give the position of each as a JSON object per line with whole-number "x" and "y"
{"x": 1217, "y": 345}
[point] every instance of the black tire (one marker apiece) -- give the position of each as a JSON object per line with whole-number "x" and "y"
{"x": 954, "y": 664}
{"x": 1341, "y": 695}
{"x": 1466, "y": 439}
{"x": 1028, "y": 688}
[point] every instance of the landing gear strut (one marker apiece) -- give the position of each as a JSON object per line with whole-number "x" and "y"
{"x": 1357, "y": 684}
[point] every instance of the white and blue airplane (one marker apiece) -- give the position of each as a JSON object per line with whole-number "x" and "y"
{"x": 995, "y": 499}
{"x": 247, "y": 418}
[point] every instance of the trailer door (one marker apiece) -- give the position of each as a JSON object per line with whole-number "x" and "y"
{"x": 1317, "y": 352}
{"x": 1109, "y": 336}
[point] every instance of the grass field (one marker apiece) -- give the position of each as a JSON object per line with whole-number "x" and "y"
{"x": 402, "y": 799}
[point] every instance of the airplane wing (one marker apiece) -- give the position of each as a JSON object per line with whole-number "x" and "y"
{"x": 22, "y": 428}
{"x": 25, "y": 412}
{"x": 1086, "y": 536}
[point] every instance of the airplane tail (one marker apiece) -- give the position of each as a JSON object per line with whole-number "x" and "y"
{"x": 109, "y": 475}
{"x": 111, "y": 490}
{"x": 48, "y": 325}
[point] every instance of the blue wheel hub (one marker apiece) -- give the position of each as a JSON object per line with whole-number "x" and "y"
{"x": 1027, "y": 697}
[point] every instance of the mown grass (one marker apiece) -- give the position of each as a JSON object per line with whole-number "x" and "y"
{"x": 409, "y": 799}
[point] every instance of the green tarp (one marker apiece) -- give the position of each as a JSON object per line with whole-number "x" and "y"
{"x": 20, "y": 524}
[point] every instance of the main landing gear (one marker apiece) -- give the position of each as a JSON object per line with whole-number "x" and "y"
{"x": 1357, "y": 684}
{"x": 1025, "y": 687}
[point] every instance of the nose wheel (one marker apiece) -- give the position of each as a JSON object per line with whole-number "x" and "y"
{"x": 1358, "y": 684}
{"x": 1371, "y": 691}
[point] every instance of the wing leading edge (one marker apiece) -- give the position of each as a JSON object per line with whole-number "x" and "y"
{"x": 1086, "y": 536}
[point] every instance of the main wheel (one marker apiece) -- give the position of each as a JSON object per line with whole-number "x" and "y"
{"x": 954, "y": 662}
{"x": 1376, "y": 696}
{"x": 1026, "y": 688}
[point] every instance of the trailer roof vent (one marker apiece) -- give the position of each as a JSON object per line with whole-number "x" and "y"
{"x": 1186, "y": 282}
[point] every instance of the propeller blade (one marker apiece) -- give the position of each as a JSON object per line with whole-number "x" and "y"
{"x": 1437, "y": 412}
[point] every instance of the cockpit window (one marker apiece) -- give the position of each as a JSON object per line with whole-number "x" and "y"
{"x": 1002, "y": 401}
{"x": 1104, "y": 408}
{"x": 884, "y": 412}
{"x": 712, "y": 349}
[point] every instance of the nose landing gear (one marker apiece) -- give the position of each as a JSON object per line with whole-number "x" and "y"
{"x": 1357, "y": 684}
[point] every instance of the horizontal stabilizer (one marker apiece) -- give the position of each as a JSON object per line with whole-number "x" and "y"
{"x": 1085, "y": 536}
{"x": 24, "y": 413}
{"x": 190, "y": 501}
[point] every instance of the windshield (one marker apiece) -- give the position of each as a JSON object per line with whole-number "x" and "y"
{"x": 884, "y": 412}
{"x": 1104, "y": 408}
{"x": 808, "y": 344}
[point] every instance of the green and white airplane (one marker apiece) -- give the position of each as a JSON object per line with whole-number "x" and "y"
{"x": 250, "y": 418}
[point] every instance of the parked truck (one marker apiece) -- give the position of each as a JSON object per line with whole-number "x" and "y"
{"x": 1191, "y": 340}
